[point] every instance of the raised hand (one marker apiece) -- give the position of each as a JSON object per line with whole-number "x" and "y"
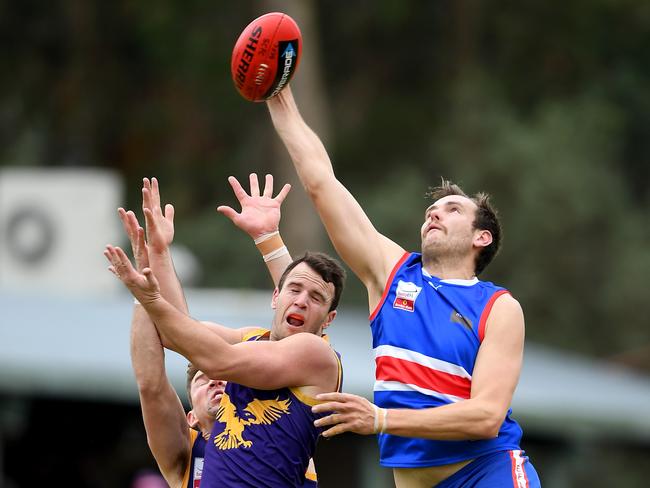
{"x": 142, "y": 285}
{"x": 260, "y": 214}
{"x": 160, "y": 225}
{"x": 135, "y": 234}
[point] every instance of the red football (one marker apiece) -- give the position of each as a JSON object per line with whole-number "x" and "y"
{"x": 266, "y": 56}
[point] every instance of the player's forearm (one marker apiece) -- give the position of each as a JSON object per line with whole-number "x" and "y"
{"x": 147, "y": 354}
{"x": 305, "y": 148}
{"x": 466, "y": 420}
{"x": 170, "y": 286}
{"x": 275, "y": 254}
{"x": 188, "y": 337}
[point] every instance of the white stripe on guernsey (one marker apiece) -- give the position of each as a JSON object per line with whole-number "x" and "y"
{"x": 519, "y": 473}
{"x": 454, "y": 281}
{"x": 381, "y": 385}
{"x": 421, "y": 359}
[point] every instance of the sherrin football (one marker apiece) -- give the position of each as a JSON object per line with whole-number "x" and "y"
{"x": 266, "y": 56}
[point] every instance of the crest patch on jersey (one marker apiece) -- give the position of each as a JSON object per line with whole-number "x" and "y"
{"x": 405, "y": 295}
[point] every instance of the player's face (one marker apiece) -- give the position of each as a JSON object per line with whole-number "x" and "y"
{"x": 303, "y": 304}
{"x": 206, "y": 397}
{"x": 449, "y": 226}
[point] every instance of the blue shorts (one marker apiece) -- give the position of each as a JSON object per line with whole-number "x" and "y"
{"x": 501, "y": 469}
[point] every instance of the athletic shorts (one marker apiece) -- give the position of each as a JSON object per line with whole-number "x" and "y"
{"x": 503, "y": 469}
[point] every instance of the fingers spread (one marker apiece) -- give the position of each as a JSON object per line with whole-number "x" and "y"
{"x": 283, "y": 193}
{"x": 268, "y": 186}
{"x": 239, "y": 191}
{"x": 255, "y": 186}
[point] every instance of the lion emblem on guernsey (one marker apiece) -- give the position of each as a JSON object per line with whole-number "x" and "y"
{"x": 258, "y": 412}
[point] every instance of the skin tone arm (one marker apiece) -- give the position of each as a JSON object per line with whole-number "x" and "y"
{"x": 260, "y": 364}
{"x": 160, "y": 234}
{"x": 370, "y": 255}
{"x": 162, "y": 411}
{"x": 259, "y": 216}
{"x": 479, "y": 417}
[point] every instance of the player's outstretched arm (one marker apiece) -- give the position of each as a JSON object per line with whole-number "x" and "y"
{"x": 370, "y": 255}
{"x": 260, "y": 219}
{"x": 494, "y": 379}
{"x": 162, "y": 411}
{"x": 297, "y": 360}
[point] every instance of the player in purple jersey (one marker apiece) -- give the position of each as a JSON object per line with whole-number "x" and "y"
{"x": 290, "y": 358}
{"x": 179, "y": 451}
{"x": 442, "y": 393}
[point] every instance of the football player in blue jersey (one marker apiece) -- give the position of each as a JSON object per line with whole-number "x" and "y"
{"x": 448, "y": 346}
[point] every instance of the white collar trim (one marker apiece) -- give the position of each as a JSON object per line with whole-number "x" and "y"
{"x": 454, "y": 281}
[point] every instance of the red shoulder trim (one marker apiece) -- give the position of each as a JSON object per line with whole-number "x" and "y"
{"x": 388, "y": 283}
{"x": 486, "y": 313}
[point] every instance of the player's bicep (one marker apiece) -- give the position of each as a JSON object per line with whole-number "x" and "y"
{"x": 231, "y": 336}
{"x": 299, "y": 360}
{"x": 500, "y": 355}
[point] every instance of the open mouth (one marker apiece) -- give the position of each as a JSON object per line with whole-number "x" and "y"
{"x": 295, "y": 320}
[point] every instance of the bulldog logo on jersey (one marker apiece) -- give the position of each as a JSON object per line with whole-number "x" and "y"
{"x": 406, "y": 295}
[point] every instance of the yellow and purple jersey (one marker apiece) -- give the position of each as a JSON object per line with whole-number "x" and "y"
{"x": 194, "y": 469}
{"x": 262, "y": 438}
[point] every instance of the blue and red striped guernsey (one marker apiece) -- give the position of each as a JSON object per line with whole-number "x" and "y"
{"x": 426, "y": 335}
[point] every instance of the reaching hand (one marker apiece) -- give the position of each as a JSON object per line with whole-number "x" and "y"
{"x": 260, "y": 214}
{"x": 142, "y": 285}
{"x": 350, "y": 413}
{"x": 160, "y": 226}
{"x": 136, "y": 236}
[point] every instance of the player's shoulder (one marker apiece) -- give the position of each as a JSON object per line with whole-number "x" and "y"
{"x": 505, "y": 305}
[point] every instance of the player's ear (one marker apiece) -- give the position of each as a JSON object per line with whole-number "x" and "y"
{"x": 328, "y": 320}
{"x": 192, "y": 420}
{"x": 274, "y": 299}
{"x": 482, "y": 238}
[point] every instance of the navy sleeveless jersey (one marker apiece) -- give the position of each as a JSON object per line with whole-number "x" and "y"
{"x": 192, "y": 477}
{"x": 262, "y": 438}
{"x": 426, "y": 335}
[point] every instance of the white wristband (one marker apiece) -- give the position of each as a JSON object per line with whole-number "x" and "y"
{"x": 375, "y": 429}
{"x": 275, "y": 254}
{"x": 384, "y": 424}
{"x": 265, "y": 237}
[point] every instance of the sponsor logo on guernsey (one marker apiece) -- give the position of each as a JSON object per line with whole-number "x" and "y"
{"x": 459, "y": 319}
{"x": 406, "y": 295}
{"x": 198, "y": 471}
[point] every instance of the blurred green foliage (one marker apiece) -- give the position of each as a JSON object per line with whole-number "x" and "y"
{"x": 545, "y": 105}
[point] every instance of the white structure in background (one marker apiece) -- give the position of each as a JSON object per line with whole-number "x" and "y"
{"x": 54, "y": 224}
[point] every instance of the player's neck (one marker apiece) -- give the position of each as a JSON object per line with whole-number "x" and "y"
{"x": 449, "y": 269}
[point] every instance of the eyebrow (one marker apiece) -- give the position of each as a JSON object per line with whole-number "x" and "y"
{"x": 314, "y": 292}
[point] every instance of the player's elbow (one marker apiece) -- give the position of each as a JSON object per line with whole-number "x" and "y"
{"x": 488, "y": 423}
{"x": 150, "y": 387}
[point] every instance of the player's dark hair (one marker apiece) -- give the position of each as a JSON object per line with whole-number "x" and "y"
{"x": 191, "y": 373}
{"x": 486, "y": 219}
{"x": 327, "y": 267}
